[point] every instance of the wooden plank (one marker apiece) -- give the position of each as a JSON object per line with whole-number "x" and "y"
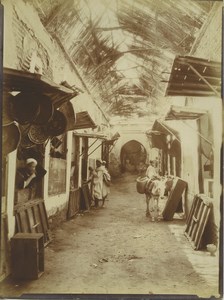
{"x": 194, "y": 211}
{"x": 30, "y": 220}
{"x": 86, "y": 195}
{"x": 42, "y": 215}
{"x": 198, "y": 216}
{"x": 18, "y": 222}
{"x": 38, "y": 225}
{"x": 201, "y": 227}
{"x": 73, "y": 204}
{"x": 189, "y": 219}
{"x": 44, "y": 223}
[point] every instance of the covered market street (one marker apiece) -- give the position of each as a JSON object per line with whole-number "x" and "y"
{"x": 116, "y": 249}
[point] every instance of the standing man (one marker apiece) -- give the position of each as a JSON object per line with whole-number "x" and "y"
{"x": 98, "y": 182}
{"x": 106, "y": 182}
{"x": 152, "y": 175}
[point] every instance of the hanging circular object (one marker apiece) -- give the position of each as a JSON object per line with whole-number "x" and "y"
{"x": 37, "y": 134}
{"x": 26, "y": 142}
{"x": 7, "y": 118}
{"x": 46, "y": 110}
{"x": 25, "y": 107}
{"x": 10, "y": 138}
{"x": 57, "y": 125}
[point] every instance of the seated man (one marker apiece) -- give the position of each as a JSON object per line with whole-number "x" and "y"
{"x": 28, "y": 175}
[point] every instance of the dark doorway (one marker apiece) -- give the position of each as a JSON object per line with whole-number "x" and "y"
{"x": 132, "y": 155}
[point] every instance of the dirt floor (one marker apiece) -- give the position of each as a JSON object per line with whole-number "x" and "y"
{"x": 117, "y": 250}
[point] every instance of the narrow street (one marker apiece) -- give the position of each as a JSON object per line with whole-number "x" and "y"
{"x": 117, "y": 249}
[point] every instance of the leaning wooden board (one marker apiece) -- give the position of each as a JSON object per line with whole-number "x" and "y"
{"x": 74, "y": 203}
{"x": 31, "y": 217}
{"x": 174, "y": 198}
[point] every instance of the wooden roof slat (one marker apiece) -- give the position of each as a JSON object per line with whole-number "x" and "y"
{"x": 183, "y": 76}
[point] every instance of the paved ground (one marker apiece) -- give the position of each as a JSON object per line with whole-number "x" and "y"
{"x": 118, "y": 250}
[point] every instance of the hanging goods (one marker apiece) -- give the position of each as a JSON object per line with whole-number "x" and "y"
{"x": 37, "y": 134}
{"x": 141, "y": 184}
{"x": 10, "y": 138}
{"x": 57, "y": 125}
{"x": 25, "y": 142}
{"x": 46, "y": 110}
{"x": 25, "y": 107}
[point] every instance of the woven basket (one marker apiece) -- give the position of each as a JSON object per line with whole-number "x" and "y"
{"x": 140, "y": 184}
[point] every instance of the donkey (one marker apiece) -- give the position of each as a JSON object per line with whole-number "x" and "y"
{"x": 156, "y": 188}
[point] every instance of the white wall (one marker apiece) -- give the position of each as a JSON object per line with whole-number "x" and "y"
{"x": 57, "y": 202}
{"x": 11, "y": 171}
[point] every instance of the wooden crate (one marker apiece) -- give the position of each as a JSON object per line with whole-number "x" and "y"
{"x": 27, "y": 250}
{"x": 197, "y": 219}
{"x": 31, "y": 217}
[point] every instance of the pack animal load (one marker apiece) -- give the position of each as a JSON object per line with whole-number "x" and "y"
{"x": 141, "y": 184}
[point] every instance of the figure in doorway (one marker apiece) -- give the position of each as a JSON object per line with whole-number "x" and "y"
{"x": 151, "y": 191}
{"x": 90, "y": 180}
{"x": 27, "y": 176}
{"x": 98, "y": 183}
{"x": 106, "y": 182}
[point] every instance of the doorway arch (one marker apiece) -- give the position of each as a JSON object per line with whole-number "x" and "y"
{"x": 132, "y": 154}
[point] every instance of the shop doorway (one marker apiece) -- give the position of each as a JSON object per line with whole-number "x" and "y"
{"x": 133, "y": 154}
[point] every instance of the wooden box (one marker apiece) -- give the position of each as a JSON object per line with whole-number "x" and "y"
{"x": 27, "y": 251}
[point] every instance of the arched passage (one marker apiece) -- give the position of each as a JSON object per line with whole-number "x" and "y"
{"x": 132, "y": 154}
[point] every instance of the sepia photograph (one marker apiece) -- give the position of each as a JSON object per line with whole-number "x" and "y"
{"x": 111, "y": 169}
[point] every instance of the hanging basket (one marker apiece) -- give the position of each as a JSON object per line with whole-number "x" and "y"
{"x": 57, "y": 125}
{"x": 141, "y": 184}
{"x": 25, "y": 142}
{"x": 10, "y": 138}
{"x": 25, "y": 107}
{"x": 46, "y": 110}
{"x": 37, "y": 134}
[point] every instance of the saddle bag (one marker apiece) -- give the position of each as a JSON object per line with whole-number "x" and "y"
{"x": 141, "y": 184}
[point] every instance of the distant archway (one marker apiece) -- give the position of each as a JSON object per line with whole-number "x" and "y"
{"x": 132, "y": 154}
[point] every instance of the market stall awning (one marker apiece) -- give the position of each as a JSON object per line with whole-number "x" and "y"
{"x": 84, "y": 120}
{"x": 16, "y": 80}
{"x": 184, "y": 113}
{"x": 113, "y": 139}
{"x": 158, "y": 134}
{"x": 166, "y": 129}
{"x": 90, "y": 135}
{"x": 191, "y": 76}
{"x": 95, "y": 136}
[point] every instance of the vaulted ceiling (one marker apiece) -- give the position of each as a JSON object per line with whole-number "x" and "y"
{"x": 124, "y": 49}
